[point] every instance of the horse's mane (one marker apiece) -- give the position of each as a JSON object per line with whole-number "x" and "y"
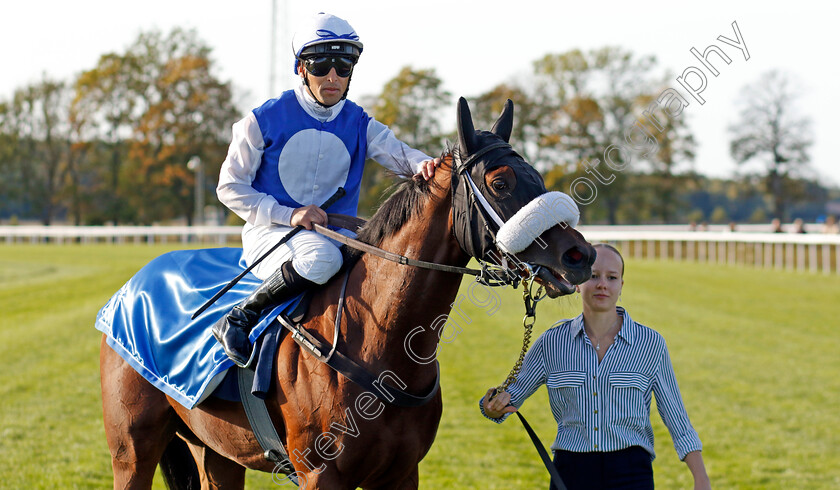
{"x": 406, "y": 200}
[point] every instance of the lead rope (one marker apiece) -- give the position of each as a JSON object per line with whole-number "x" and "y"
{"x": 528, "y": 321}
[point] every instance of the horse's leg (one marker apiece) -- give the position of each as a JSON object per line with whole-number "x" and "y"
{"x": 139, "y": 422}
{"x": 215, "y": 470}
{"x": 410, "y": 482}
{"x": 324, "y": 479}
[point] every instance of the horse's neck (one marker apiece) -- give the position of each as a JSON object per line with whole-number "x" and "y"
{"x": 394, "y": 300}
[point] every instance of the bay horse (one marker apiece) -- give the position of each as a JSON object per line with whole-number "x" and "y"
{"x": 335, "y": 437}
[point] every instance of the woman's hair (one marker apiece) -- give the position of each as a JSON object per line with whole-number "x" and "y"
{"x": 610, "y": 247}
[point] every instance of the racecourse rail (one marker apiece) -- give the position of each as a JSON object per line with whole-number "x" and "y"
{"x": 752, "y": 245}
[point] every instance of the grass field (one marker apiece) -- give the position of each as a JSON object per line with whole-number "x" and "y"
{"x": 755, "y": 352}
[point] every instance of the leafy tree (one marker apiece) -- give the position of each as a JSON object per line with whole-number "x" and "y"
{"x": 10, "y": 188}
{"x": 588, "y": 117}
{"x": 104, "y": 111}
{"x": 719, "y": 215}
{"x": 187, "y": 113}
{"x": 674, "y": 149}
{"x": 35, "y": 130}
{"x": 411, "y": 104}
{"x": 486, "y": 109}
{"x": 153, "y": 108}
{"x": 770, "y": 131}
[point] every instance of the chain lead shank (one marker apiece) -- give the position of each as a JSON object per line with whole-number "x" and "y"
{"x": 528, "y": 321}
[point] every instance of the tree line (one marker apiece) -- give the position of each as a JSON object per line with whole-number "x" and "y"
{"x": 112, "y": 145}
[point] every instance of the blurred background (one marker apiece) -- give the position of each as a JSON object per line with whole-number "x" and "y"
{"x": 103, "y": 104}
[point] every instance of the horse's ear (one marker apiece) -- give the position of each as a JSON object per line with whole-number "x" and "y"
{"x": 466, "y": 130}
{"x": 504, "y": 124}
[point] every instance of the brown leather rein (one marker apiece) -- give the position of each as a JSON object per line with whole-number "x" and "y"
{"x": 488, "y": 274}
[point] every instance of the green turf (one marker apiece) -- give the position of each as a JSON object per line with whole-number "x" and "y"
{"x": 755, "y": 353}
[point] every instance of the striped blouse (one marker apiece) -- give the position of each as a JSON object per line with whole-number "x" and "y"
{"x": 606, "y": 406}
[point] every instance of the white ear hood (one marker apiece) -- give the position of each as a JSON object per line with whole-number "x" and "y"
{"x": 539, "y": 215}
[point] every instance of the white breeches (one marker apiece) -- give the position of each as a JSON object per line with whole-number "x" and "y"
{"x": 314, "y": 257}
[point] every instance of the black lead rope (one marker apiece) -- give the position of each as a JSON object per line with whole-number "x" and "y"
{"x": 552, "y": 470}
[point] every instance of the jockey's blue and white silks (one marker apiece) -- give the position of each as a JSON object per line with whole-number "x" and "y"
{"x": 305, "y": 160}
{"x": 147, "y": 322}
{"x": 312, "y": 163}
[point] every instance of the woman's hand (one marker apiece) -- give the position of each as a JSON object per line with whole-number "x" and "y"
{"x": 309, "y": 215}
{"x": 498, "y": 406}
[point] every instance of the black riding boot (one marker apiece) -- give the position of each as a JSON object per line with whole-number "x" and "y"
{"x": 232, "y": 330}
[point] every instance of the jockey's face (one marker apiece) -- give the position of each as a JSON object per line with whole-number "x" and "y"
{"x": 328, "y": 89}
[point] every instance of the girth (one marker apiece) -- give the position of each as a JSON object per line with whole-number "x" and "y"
{"x": 329, "y": 355}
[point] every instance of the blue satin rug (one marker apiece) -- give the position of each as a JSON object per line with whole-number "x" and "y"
{"x": 147, "y": 321}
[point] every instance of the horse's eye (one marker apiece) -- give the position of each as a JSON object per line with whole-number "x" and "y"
{"x": 499, "y": 184}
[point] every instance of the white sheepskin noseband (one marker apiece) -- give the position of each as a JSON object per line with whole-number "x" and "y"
{"x": 539, "y": 215}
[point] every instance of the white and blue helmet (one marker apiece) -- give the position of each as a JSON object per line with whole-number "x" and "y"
{"x": 326, "y": 34}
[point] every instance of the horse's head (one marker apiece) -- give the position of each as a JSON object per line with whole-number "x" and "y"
{"x": 503, "y": 213}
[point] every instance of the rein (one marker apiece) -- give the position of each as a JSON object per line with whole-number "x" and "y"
{"x": 489, "y": 274}
{"x": 393, "y": 257}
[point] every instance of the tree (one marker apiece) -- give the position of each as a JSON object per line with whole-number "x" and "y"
{"x": 410, "y": 104}
{"x": 589, "y": 119}
{"x": 34, "y": 126}
{"x": 188, "y": 112}
{"x": 488, "y": 106}
{"x": 152, "y": 109}
{"x": 674, "y": 146}
{"x": 10, "y": 184}
{"x": 104, "y": 111}
{"x": 770, "y": 131}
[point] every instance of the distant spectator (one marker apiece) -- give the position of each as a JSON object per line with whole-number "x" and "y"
{"x": 733, "y": 226}
{"x": 830, "y": 225}
{"x": 776, "y": 226}
{"x": 692, "y": 226}
{"x": 798, "y": 226}
{"x": 704, "y": 226}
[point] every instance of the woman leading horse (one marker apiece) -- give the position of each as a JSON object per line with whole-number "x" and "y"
{"x": 485, "y": 201}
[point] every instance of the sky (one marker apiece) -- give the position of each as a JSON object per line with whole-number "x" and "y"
{"x": 473, "y": 46}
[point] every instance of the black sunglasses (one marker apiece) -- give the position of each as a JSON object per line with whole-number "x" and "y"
{"x": 321, "y": 65}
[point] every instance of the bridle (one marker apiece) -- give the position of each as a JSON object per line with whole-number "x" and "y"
{"x": 494, "y": 274}
{"x": 490, "y": 274}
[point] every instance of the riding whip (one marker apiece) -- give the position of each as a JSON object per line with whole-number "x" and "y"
{"x": 339, "y": 193}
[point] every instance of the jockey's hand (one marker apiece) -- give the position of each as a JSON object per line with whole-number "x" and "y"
{"x": 309, "y": 215}
{"x": 498, "y": 406}
{"x": 427, "y": 168}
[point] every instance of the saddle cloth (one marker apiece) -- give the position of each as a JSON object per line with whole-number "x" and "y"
{"x": 147, "y": 322}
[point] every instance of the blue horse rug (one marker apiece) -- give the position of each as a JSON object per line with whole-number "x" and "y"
{"x": 147, "y": 322}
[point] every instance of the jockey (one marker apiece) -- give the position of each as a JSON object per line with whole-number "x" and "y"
{"x": 290, "y": 155}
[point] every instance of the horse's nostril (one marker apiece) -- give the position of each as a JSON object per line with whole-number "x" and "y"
{"x": 574, "y": 256}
